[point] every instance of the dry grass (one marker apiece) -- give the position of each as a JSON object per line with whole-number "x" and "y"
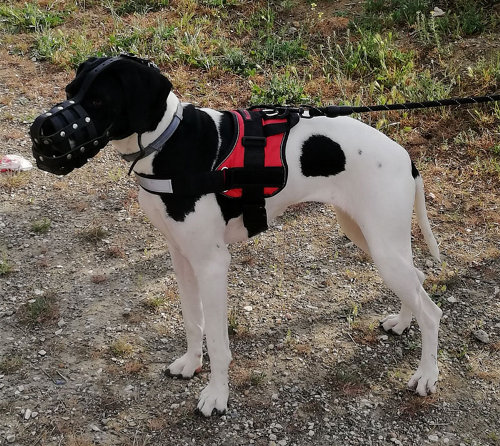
{"x": 41, "y": 310}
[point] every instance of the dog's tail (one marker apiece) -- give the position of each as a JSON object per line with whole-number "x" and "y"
{"x": 422, "y": 219}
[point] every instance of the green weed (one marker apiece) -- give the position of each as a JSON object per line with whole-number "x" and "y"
{"x": 278, "y": 51}
{"x": 41, "y": 310}
{"x": 5, "y": 266}
{"x": 237, "y": 60}
{"x": 30, "y": 17}
{"x": 125, "y": 7}
{"x": 41, "y": 226}
{"x": 282, "y": 89}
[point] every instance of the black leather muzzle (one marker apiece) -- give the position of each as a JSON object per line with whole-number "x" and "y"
{"x": 64, "y": 138}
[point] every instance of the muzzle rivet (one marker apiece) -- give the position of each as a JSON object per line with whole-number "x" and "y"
{"x": 69, "y": 156}
{"x": 82, "y": 149}
{"x": 40, "y": 158}
{"x": 87, "y": 119}
{"x": 60, "y": 108}
{"x": 48, "y": 114}
{"x": 75, "y": 126}
{"x": 62, "y": 134}
{"x": 46, "y": 142}
{"x": 96, "y": 143}
{"x": 36, "y": 140}
{"x": 71, "y": 102}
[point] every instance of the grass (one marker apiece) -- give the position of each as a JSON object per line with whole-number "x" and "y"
{"x": 121, "y": 348}
{"x": 10, "y": 364}
{"x": 40, "y": 310}
{"x": 29, "y": 17}
{"x": 93, "y": 234}
{"x": 5, "y": 266}
{"x": 41, "y": 226}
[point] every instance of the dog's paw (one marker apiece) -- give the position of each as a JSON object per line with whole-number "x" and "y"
{"x": 213, "y": 399}
{"x": 186, "y": 366}
{"x": 394, "y": 323}
{"x": 423, "y": 382}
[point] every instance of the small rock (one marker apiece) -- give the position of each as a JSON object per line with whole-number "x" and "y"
{"x": 42, "y": 352}
{"x": 272, "y": 437}
{"x": 34, "y": 414}
{"x": 11, "y": 438}
{"x": 27, "y": 414}
{"x": 275, "y": 397}
{"x": 481, "y": 336}
{"x": 433, "y": 438}
{"x": 248, "y": 308}
{"x": 94, "y": 428}
{"x": 437, "y": 12}
{"x": 452, "y": 300}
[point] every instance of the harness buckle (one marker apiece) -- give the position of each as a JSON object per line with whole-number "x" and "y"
{"x": 253, "y": 141}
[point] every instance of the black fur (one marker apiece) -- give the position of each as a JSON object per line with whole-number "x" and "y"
{"x": 193, "y": 148}
{"x": 132, "y": 99}
{"x": 414, "y": 171}
{"x": 321, "y": 157}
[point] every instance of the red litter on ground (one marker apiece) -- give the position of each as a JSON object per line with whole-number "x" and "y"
{"x": 14, "y": 163}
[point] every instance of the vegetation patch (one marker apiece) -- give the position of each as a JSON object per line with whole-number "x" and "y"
{"x": 41, "y": 310}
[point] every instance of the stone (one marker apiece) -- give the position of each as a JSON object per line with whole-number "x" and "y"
{"x": 481, "y": 336}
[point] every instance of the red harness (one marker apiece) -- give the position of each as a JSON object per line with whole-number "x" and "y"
{"x": 254, "y": 169}
{"x": 274, "y": 144}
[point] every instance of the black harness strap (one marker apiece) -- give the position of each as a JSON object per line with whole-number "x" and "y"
{"x": 253, "y": 202}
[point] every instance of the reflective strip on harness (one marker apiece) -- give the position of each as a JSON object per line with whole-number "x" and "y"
{"x": 163, "y": 186}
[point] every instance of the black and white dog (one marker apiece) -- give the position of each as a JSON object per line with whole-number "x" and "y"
{"x": 367, "y": 177}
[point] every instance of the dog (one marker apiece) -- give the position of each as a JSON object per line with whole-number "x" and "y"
{"x": 368, "y": 178}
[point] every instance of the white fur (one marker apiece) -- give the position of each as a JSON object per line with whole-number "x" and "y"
{"x": 374, "y": 197}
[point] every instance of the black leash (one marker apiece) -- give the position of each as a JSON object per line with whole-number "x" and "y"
{"x": 333, "y": 111}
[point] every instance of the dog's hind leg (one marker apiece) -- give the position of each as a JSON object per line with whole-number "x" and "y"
{"x": 351, "y": 230}
{"x": 396, "y": 323}
{"x": 395, "y": 264}
{"x": 192, "y": 311}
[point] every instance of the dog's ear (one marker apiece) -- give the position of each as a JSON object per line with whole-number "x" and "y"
{"x": 145, "y": 91}
{"x": 73, "y": 87}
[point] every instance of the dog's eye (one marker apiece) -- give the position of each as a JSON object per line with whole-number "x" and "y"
{"x": 96, "y": 103}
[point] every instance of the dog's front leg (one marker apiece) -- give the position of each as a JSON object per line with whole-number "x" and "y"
{"x": 192, "y": 311}
{"x": 211, "y": 273}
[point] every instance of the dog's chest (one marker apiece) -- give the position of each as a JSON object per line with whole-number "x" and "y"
{"x": 248, "y": 148}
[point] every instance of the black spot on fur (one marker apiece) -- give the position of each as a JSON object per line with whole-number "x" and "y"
{"x": 321, "y": 157}
{"x": 414, "y": 171}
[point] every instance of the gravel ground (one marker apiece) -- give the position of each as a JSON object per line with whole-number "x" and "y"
{"x": 89, "y": 318}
